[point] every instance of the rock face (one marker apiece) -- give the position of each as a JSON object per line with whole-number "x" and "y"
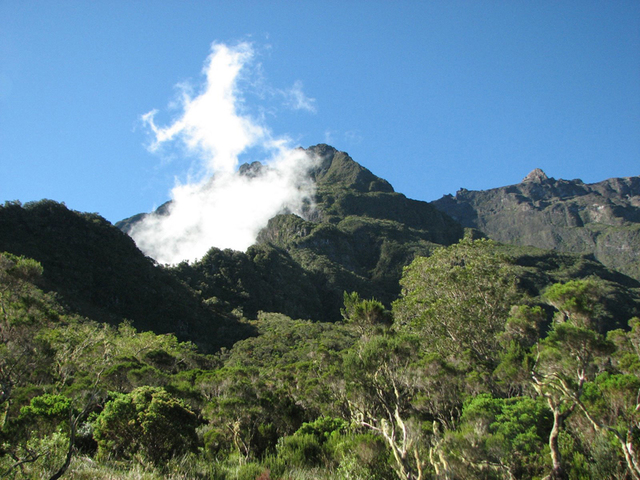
{"x": 602, "y": 219}
{"x": 357, "y": 237}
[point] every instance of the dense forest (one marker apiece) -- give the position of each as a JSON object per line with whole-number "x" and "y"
{"x": 375, "y": 339}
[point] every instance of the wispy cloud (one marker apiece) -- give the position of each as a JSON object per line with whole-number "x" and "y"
{"x": 218, "y": 206}
{"x": 297, "y": 100}
{"x": 329, "y": 136}
{"x": 353, "y": 137}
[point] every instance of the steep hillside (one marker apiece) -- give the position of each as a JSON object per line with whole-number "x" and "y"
{"x": 359, "y": 234}
{"x": 487, "y": 347}
{"x": 602, "y": 219}
{"x": 98, "y": 272}
{"x": 357, "y": 237}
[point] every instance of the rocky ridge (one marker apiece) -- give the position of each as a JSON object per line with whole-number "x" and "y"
{"x": 601, "y": 219}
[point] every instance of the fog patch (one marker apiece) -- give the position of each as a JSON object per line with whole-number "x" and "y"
{"x": 218, "y": 206}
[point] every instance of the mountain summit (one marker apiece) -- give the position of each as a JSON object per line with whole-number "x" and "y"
{"x": 601, "y": 219}
{"x": 536, "y": 175}
{"x": 357, "y": 234}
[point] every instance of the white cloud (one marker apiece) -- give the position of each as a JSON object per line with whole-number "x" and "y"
{"x": 210, "y": 125}
{"x": 221, "y": 207}
{"x": 329, "y": 136}
{"x": 297, "y": 100}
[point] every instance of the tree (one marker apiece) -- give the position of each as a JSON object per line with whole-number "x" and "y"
{"x": 148, "y": 421}
{"x": 365, "y": 316}
{"x": 578, "y": 301}
{"x": 571, "y": 355}
{"x": 458, "y": 299}
{"x": 380, "y": 388}
{"x": 501, "y": 437}
{"x": 23, "y": 308}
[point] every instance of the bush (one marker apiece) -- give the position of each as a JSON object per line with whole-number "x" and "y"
{"x": 147, "y": 421}
{"x": 45, "y": 413}
{"x": 303, "y": 450}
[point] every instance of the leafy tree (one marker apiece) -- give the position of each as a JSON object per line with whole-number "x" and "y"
{"x": 380, "y": 375}
{"x": 611, "y": 401}
{"x": 521, "y": 333}
{"x": 148, "y": 421}
{"x": 45, "y": 412}
{"x": 571, "y": 355}
{"x": 459, "y": 299}
{"x": 247, "y": 411}
{"x": 365, "y": 316}
{"x": 23, "y": 309}
{"x": 499, "y": 438}
{"x": 578, "y": 301}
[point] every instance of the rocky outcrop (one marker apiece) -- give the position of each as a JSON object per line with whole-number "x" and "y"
{"x": 602, "y": 219}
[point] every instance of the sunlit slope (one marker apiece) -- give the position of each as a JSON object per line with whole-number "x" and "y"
{"x": 602, "y": 219}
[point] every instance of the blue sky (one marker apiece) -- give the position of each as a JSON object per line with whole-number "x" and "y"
{"x": 430, "y": 95}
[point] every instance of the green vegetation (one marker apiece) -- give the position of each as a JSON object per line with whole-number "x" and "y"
{"x": 375, "y": 340}
{"x": 100, "y": 274}
{"x": 474, "y": 372}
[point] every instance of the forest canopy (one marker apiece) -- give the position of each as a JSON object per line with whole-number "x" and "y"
{"x": 477, "y": 370}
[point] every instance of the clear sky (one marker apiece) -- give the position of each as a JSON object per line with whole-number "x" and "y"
{"x": 430, "y": 95}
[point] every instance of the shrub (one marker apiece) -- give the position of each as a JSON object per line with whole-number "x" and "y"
{"x": 148, "y": 421}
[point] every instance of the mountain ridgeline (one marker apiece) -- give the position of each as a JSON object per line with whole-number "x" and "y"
{"x": 373, "y": 337}
{"x": 358, "y": 236}
{"x": 601, "y": 219}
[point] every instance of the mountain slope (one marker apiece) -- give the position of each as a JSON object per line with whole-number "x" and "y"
{"x": 602, "y": 219}
{"x": 357, "y": 237}
{"x": 98, "y": 272}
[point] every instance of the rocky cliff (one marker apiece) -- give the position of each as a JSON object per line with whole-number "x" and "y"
{"x": 602, "y": 219}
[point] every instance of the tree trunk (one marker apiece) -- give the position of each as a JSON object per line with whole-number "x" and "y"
{"x": 557, "y": 472}
{"x": 72, "y": 439}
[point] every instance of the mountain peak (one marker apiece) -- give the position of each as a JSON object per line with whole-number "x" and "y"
{"x": 338, "y": 168}
{"x": 537, "y": 175}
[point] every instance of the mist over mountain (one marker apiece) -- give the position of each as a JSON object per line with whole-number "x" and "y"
{"x": 357, "y": 234}
{"x": 602, "y": 219}
{"x": 354, "y": 234}
{"x": 97, "y": 271}
{"x": 275, "y": 308}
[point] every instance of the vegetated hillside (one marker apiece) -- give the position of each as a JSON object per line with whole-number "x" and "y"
{"x": 357, "y": 237}
{"x": 99, "y": 272}
{"x": 468, "y": 365}
{"x": 495, "y": 361}
{"x": 602, "y": 219}
{"x": 535, "y": 270}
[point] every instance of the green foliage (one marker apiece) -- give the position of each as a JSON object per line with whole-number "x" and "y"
{"x": 323, "y": 427}
{"x": 302, "y": 450}
{"x": 459, "y": 298}
{"x": 366, "y": 316}
{"x": 469, "y": 378}
{"x": 578, "y": 300}
{"x": 40, "y": 457}
{"x": 47, "y": 405}
{"x": 101, "y": 274}
{"x": 148, "y": 421}
{"x": 506, "y": 432}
